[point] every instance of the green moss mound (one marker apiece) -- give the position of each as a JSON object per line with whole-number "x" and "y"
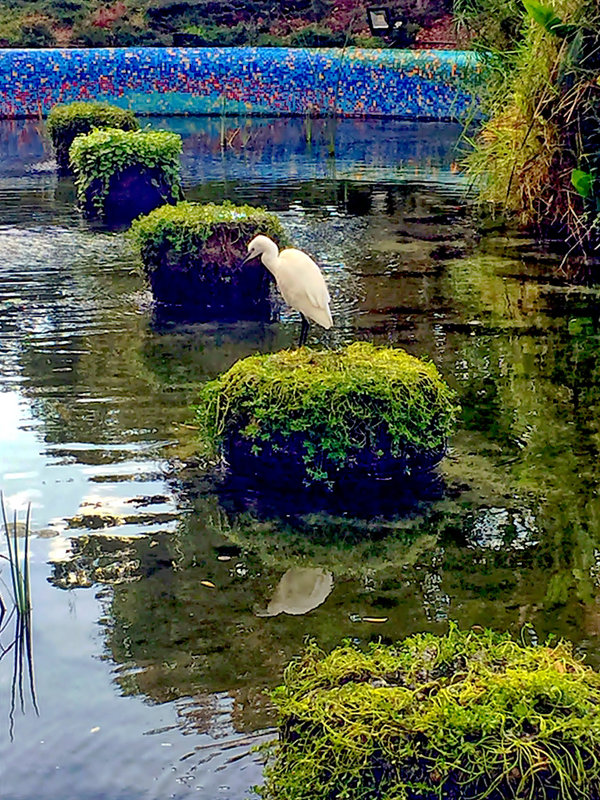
{"x": 192, "y": 255}
{"x": 468, "y": 715}
{"x": 320, "y": 417}
{"x": 66, "y": 122}
{"x": 122, "y": 174}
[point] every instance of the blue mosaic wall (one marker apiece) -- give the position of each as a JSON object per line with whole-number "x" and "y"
{"x": 245, "y": 80}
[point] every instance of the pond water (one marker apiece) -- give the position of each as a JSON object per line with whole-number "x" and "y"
{"x": 164, "y": 604}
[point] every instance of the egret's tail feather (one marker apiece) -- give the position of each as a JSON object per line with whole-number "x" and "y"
{"x": 322, "y": 316}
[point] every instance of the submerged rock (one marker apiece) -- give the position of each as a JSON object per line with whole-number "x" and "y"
{"x": 21, "y": 530}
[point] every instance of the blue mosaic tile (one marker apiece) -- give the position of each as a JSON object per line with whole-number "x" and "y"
{"x": 408, "y": 84}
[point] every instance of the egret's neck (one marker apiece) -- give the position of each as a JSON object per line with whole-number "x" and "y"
{"x": 270, "y": 258}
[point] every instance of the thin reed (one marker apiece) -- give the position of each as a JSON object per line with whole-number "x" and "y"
{"x": 21, "y": 642}
{"x": 19, "y": 564}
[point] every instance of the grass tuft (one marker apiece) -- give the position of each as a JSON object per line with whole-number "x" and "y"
{"x": 21, "y": 643}
{"x": 540, "y": 140}
{"x": 18, "y": 563}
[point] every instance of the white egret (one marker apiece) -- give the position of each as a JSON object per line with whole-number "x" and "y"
{"x": 299, "y": 280}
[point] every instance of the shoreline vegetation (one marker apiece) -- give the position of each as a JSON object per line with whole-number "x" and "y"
{"x": 144, "y": 23}
{"x": 535, "y": 160}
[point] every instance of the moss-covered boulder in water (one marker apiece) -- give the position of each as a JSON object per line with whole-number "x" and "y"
{"x": 462, "y": 716}
{"x": 193, "y": 252}
{"x": 65, "y": 122}
{"x": 122, "y": 174}
{"x": 361, "y": 413}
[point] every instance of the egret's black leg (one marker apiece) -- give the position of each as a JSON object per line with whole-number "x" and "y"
{"x": 303, "y": 331}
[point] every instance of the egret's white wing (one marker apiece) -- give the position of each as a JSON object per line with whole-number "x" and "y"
{"x": 303, "y": 287}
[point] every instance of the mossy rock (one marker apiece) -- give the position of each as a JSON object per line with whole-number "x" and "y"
{"x": 123, "y": 174}
{"x": 192, "y": 255}
{"x": 363, "y": 413}
{"x": 65, "y": 122}
{"x": 468, "y": 715}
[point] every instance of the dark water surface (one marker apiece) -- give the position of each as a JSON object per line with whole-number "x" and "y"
{"x": 150, "y": 683}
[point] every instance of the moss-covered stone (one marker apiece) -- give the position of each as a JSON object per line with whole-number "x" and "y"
{"x": 361, "y": 413}
{"x": 466, "y": 715}
{"x": 122, "y": 174}
{"x": 65, "y": 122}
{"x": 192, "y": 255}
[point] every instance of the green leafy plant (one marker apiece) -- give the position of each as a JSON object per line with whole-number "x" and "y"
{"x": 99, "y": 159}
{"x": 583, "y": 182}
{"x": 543, "y": 15}
{"x": 318, "y": 36}
{"x": 25, "y": 26}
{"x": 492, "y": 26}
{"x": 217, "y": 35}
{"x": 65, "y": 122}
{"x": 465, "y": 715}
{"x": 323, "y": 413}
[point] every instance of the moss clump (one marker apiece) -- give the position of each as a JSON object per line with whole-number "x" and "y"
{"x": 465, "y": 715}
{"x": 66, "y": 122}
{"x": 364, "y": 412}
{"x": 192, "y": 254}
{"x": 122, "y": 174}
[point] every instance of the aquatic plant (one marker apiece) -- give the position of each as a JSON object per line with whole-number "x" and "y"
{"x": 65, "y": 122}
{"x": 192, "y": 254}
{"x": 537, "y": 154}
{"x": 471, "y": 714}
{"x": 320, "y": 416}
{"x": 21, "y": 643}
{"x": 19, "y": 565}
{"x": 125, "y": 173}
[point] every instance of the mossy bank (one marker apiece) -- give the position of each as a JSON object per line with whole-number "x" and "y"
{"x": 66, "y": 122}
{"x": 123, "y": 174}
{"x": 192, "y": 255}
{"x": 466, "y": 715}
{"x": 301, "y": 416}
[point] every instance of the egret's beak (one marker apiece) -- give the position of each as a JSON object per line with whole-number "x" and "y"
{"x": 248, "y": 257}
